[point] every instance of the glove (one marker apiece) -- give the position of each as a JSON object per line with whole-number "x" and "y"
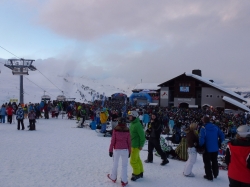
{"x": 129, "y": 155}
{"x": 110, "y": 154}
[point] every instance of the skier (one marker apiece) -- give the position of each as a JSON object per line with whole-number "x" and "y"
{"x": 32, "y": 120}
{"x": 137, "y": 142}
{"x": 154, "y": 131}
{"x": 192, "y": 142}
{"x": 238, "y": 158}
{"x": 9, "y": 113}
{"x": 120, "y": 146}
{"x": 20, "y": 117}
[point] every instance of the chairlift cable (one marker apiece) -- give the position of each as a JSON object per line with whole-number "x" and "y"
{"x": 40, "y": 87}
{"x": 49, "y": 80}
{"x": 37, "y": 69}
{"x": 9, "y": 52}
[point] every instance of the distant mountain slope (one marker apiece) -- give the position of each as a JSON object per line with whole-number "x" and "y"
{"x": 82, "y": 88}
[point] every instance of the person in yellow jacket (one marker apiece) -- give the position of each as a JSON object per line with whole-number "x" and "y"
{"x": 103, "y": 118}
{"x": 78, "y": 113}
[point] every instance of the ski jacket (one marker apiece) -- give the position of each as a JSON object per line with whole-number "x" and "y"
{"x": 238, "y": 160}
{"x": 120, "y": 138}
{"x": 192, "y": 138}
{"x": 32, "y": 115}
{"x": 25, "y": 109}
{"x": 9, "y": 111}
{"x": 3, "y": 111}
{"x": 155, "y": 129}
{"x": 31, "y": 107}
{"x": 103, "y": 117}
{"x": 137, "y": 134}
{"x": 19, "y": 114}
{"x": 211, "y": 136}
{"x": 82, "y": 112}
{"x": 145, "y": 118}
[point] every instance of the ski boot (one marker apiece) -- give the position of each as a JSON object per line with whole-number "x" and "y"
{"x": 164, "y": 162}
{"x": 124, "y": 184}
{"x": 111, "y": 179}
{"x": 135, "y": 177}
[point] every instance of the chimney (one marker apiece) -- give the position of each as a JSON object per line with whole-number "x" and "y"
{"x": 196, "y": 72}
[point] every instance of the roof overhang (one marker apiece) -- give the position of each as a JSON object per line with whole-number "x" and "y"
{"x": 216, "y": 86}
{"x": 236, "y": 103}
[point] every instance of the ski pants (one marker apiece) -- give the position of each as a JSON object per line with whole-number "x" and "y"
{"x": 2, "y": 118}
{"x": 192, "y": 156}
{"x": 155, "y": 143}
{"x": 235, "y": 183}
{"x": 97, "y": 120}
{"x": 32, "y": 124}
{"x": 135, "y": 161}
{"x": 123, "y": 153}
{"x": 9, "y": 119}
{"x": 103, "y": 129}
{"x": 18, "y": 124}
{"x": 211, "y": 164}
{"x": 82, "y": 120}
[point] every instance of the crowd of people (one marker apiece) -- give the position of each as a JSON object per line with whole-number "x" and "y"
{"x": 191, "y": 129}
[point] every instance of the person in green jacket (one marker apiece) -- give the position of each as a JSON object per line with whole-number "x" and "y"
{"x": 137, "y": 142}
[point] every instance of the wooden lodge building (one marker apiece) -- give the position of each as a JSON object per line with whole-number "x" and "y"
{"x": 194, "y": 91}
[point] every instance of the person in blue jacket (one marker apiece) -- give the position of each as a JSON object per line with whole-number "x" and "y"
{"x": 2, "y": 114}
{"x": 211, "y": 136}
{"x": 145, "y": 119}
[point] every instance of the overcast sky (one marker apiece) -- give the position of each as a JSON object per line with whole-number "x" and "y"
{"x": 131, "y": 39}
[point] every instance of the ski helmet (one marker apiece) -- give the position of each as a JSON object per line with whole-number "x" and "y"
{"x": 244, "y": 131}
{"x": 133, "y": 113}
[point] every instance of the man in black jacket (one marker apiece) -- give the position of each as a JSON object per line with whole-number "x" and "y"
{"x": 154, "y": 130}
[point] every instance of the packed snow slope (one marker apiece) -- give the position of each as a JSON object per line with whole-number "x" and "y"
{"x": 59, "y": 155}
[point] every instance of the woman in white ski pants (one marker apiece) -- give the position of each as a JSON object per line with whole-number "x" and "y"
{"x": 192, "y": 141}
{"x": 120, "y": 146}
{"x": 123, "y": 153}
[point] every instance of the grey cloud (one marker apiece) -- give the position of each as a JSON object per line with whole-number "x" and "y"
{"x": 209, "y": 35}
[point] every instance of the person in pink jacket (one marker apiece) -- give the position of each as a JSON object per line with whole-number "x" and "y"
{"x": 120, "y": 146}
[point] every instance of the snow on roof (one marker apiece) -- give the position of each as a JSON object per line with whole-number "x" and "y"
{"x": 147, "y": 86}
{"x": 216, "y": 86}
{"x": 236, "y": 103}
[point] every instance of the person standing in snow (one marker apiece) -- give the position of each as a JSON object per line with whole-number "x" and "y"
{"x": 32, "y": 120}
{"x": 9, "y": 113}
{"x": 210, "y": 136}
{"x": 238, "y": 158}
{"x": 2, "y": 114}
{"x": 20, "y": 117}
{"x": 103, "y": 118}
{"x": 154, "y": 131}
{"x": 120, "y": 146}
{"x": 137, "y": 142}
{"x": 192, "y": 142}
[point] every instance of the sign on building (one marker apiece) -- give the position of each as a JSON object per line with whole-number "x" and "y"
{"x": 164, "y": 94}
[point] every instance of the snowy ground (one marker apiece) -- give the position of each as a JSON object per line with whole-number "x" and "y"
{"x": 57, "y": 155}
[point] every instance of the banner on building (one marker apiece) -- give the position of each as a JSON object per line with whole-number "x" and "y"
{"x": 164, "y": 94}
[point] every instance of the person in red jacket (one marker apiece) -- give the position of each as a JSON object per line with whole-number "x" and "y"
{"x": 238, "y": 158}
{"x": 9, "y": 111}
{"x": 120, "y": 146}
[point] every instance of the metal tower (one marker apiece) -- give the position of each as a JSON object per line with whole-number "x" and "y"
{"x": 20, "y": 67}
